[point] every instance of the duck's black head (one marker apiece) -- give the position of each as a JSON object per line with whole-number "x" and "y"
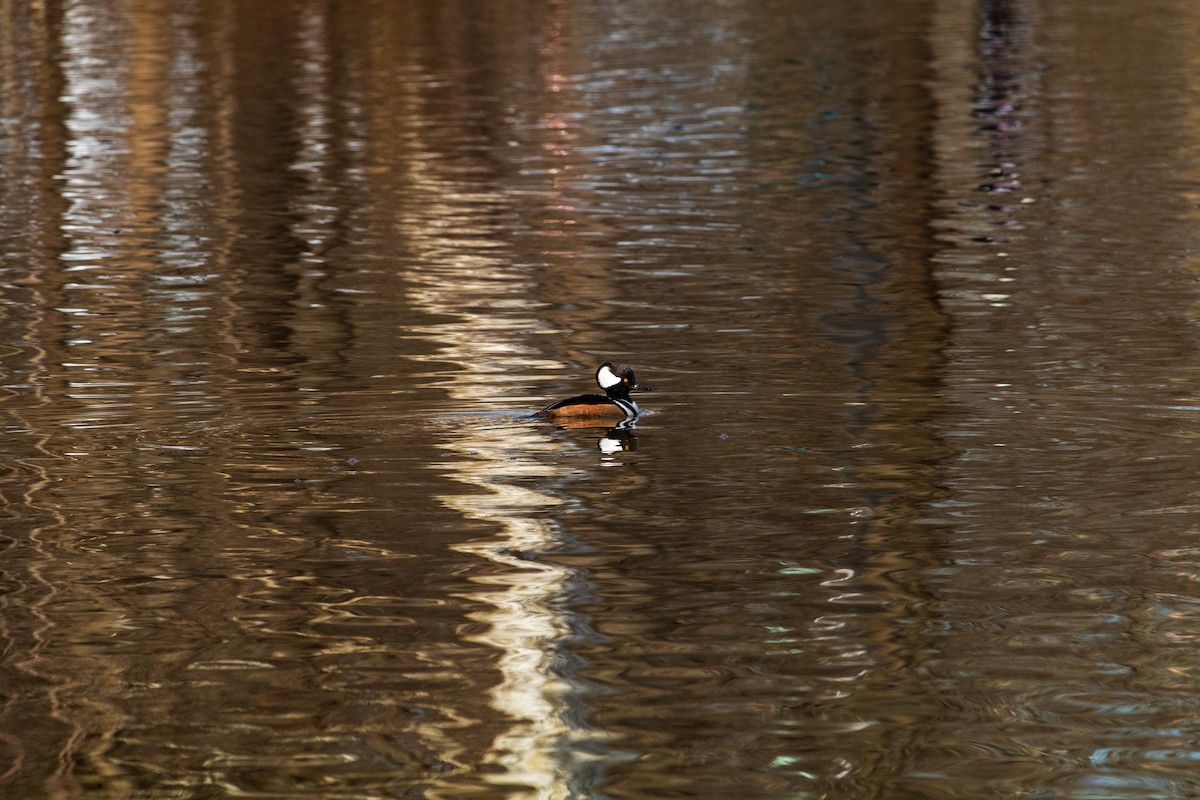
{"x": 617, "y": 380}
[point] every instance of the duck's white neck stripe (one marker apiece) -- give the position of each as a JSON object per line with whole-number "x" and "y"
{"x": 607, "y": 378}
{"x": 628, "y": 406}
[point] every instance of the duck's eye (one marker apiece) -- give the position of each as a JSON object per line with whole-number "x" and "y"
{"x": 625, "y": 380}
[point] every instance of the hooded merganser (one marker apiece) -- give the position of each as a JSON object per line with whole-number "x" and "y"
{"x": 616, "y": 380}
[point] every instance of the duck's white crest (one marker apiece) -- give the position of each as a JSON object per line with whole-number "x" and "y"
{"x": 607, "y": 378}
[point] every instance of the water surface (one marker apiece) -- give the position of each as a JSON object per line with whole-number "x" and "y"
{"x": 913, "y": 508}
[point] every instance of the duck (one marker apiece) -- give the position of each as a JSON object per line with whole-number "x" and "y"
{"x": 617, "y": 381}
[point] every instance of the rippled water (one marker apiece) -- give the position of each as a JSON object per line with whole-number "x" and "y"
{"x": 913, "y": 509}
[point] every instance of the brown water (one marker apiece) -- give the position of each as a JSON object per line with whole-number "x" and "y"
{"x": 914, "y": 511}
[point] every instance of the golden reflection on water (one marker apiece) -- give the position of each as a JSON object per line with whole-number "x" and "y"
{"x": 541, "y": 747}
{"x": 501, "y": 461}
{"x": 462, "y": 275}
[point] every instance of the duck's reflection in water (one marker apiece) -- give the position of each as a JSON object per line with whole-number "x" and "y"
{"x": 619, "y": 439}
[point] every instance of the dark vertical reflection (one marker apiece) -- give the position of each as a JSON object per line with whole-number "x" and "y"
{"x": 33, "y": 84}
{"x": 1000, "y": 94}
{"x": 895, "y": 330}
